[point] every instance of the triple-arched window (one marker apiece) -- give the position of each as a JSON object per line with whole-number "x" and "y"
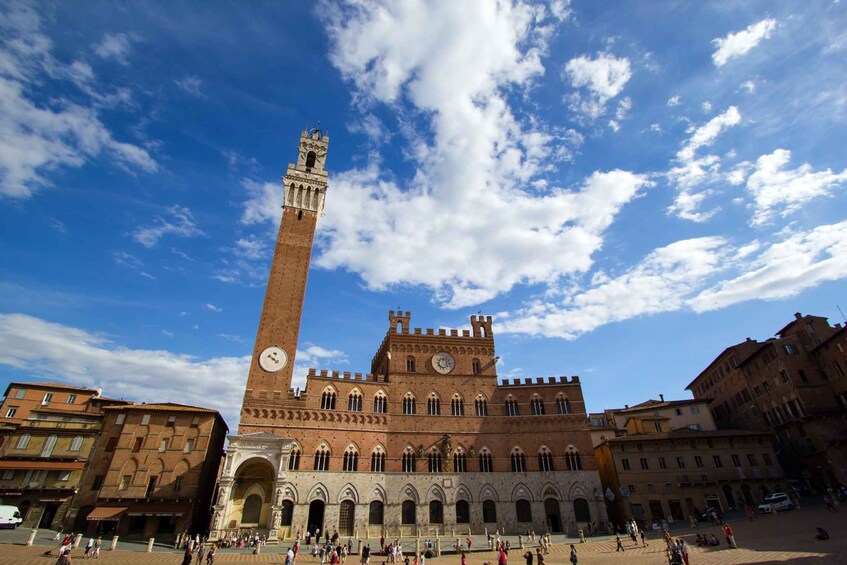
{"x": 409, "y": 404}
{"x": 545, "y": 459}
{"x": 294, "y": 459}
{"x": 486, "y": 463}
{"x": 572, "y": 459}
{"x": 480, "y": 405}
{"x": 457, "y": 405}
{"x": 433, "y": 405}
{"x": 460, "y": 461}
{"x": 322, "y": 458}
{"x": 434, "y": 461}
{"x": 518, "y": 460}
{"x": 512, "y": 407}
{"x": 351, "y": 458}
{"x": 328, "y": 399}
{"x": 536, "y": 405}
{"x": 378, "y": 460}
{"x": 408, "y": 460}
{"x": 380, "y": 403}
{"x": 563, "y": 405}
{"x": 354, "y": 401}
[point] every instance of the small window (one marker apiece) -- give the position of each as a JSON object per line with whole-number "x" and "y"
{"x": 8, "y": 474}
{"x": 625, "y": 464}
{"x": 120, "y": 419}
{"x": 475, "y": 366}
{"x": 111, "y": 444}
{"x": 23, "y": 441}
{"x": 736, "y": 461}
{"x": 20, "y": 393}
{"x": 644, "y": 465}
{"x": 189, "y": 446}
{"x": 718, "y": 461}
{"x": 145, "y": 419}
{"x": 680, "y": 462}
{"x": 71, "y": 398}
{"x": 48, "y": 396}
{"x": 136, "y": 447}
{"x": 751, "y": 459}
{"x": 125, "y": 482}
{"x": 410, "y": 364}
{"x": 64, "y": 476}
{"x": 695, "y": 409}
{"x": 698, "y": 461}
{"x": 767, "y": 459}
{"x": 678, "y": 411}
{"x": 790, "y": 349}
{"x": 662, "y": 463}
{"x": 163, "y": 446}
{"x": 76, "y": 443}
{"x": 171, "y": 421}
{"x": 195, "y": 421}
{"x": 10, "y": 413}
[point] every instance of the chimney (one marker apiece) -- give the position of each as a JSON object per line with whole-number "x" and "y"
{"x": 99, "y": 391}
{"x": 798, "y": 316}
{"x": 748, "y": 339}
{"x": 625, "y": 406}
{"x": 662, "y": 397}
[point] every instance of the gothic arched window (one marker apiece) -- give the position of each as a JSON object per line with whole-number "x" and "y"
{"x": 328, "y": 399}
{"x": 457, "y": 405}
{"x": 409, "y": 405}
{"x": 512, "y": 407}
{"x": 563, "y": 405}
{"x": 485, "y": 461}
{"x": 573, "y": 459}
{"x": 354, "y": 401}
{"x": 294, "y": 459}
{"x": 518, "y": 461}
{"x": 380, "y": 403}
{"x": 378, "y": 460}
{"x": 481, "y": 405}
{"x": 536, "y": 405}
{"x": 408, "y": 460}
{"x": 460, "y": 461}
{"x": 434, "y": 461}
{"x": 311, "y": 157}
{"x": 545, "y": 459}
{"x": 322, "y": 458}
{"x": 433, "y": 405}
{"x": 351, "y": 458}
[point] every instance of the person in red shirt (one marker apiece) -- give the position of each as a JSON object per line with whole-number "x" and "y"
{"x": 730, "y": 538}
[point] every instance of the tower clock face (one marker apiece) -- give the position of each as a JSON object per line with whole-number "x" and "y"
{"x": 443, "y": 362}
{"x": 273, "y": 359}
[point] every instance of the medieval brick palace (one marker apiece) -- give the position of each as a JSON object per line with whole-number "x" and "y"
{"x": 428, "y": 441}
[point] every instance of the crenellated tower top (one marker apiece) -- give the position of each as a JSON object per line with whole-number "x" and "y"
{"x": 306, "y": 180}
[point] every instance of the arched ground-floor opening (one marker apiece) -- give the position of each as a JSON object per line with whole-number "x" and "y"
{"x": 730, "y": 498}
{"x": 316, "y": 516}
{"x": 252, "y": 496}
{"x": 581, "y": 510}
{"x": 553, "y": 515}
{"x": 748, "y": 495}
{"x": 347, "y": 518}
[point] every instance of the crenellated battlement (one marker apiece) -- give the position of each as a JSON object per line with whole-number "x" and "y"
{"x": 539, "y": 381}
{"x": 346, "y": 375}
{"x": 398, "y": 324}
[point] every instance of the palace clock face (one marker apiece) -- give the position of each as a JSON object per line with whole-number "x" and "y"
{"x": 443, "y": 362}
{"x": 273, "y": 359}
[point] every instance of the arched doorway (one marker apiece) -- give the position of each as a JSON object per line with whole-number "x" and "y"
{"x": 727, "y": 494}
{"x": 346, "y": 518}
{"x": 252, "y": 495}
{"x": 581, "y": 511}
{"x": 489, "y": 512}
{"x": 316, "y": 516}
{"x": 553, "y": 514}
{"x": 463, "y": 512}
{"x": 407, "y": 514}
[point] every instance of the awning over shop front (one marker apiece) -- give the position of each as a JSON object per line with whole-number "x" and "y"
{"x": 107, "y": 513}
{"x": 158, "y": 510}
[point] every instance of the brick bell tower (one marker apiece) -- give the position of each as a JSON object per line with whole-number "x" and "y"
{"x": 304, "y": 187}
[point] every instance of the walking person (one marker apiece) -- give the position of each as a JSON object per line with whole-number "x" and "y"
{"x": 573, "y": 555}
{"x": 187, "y": 555}
{"x": 201, "y": 552}
{"x": 643, "y": 543}
{"x": 683, "y": 550}
{"x": 97, "y": 545}
{"x": 210, "y": 557}
{"x": 619, "y": 544}
{"x": 730, "y": 538}
{"x": 528, "y": 556}
{"x": 89, "y": 547}
{"x": 539, "y": 557}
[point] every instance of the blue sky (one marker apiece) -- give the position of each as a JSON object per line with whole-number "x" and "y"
{"x": 628, "y": 187}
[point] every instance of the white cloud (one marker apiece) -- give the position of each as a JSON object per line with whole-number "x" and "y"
{"x": 803, "y": 260}
{"x": 460, "y": 78}
{"x": 37, "y": 138}
{"x": 561, "y": 9}
{"x": 701, "y": 274}
{"x": 741, "y": 42}
{"x": 78, "y": 357}
{"x": 692, "y": 175}
{"x": 659, "y": 283}
{"x": 192, "y": 85}
{"x": 604, "y": 77}
{"x": 749, "y": 86}
{"x": 707, "y": 106}
{"x": 263, "y": 203}
{"x": 127, "y": 260}
{"x": 673, "y": 101}
{"x": 624, "y": 106}
{"x": 777, "y": 190}
{"x": 213, "y": 308}
{"x": 180, "y": 221}
{"x": 116, "y": 46}
{"x": 315, "y": 357}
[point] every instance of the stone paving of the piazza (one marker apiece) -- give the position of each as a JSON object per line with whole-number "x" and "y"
{"x": 784, "y": 538}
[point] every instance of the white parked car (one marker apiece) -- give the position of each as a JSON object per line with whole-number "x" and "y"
{"x": 776, "y": 502}
{"x": 10, "y": 517}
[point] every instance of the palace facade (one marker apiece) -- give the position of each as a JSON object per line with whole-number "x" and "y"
{"x": 429, "y": 441}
